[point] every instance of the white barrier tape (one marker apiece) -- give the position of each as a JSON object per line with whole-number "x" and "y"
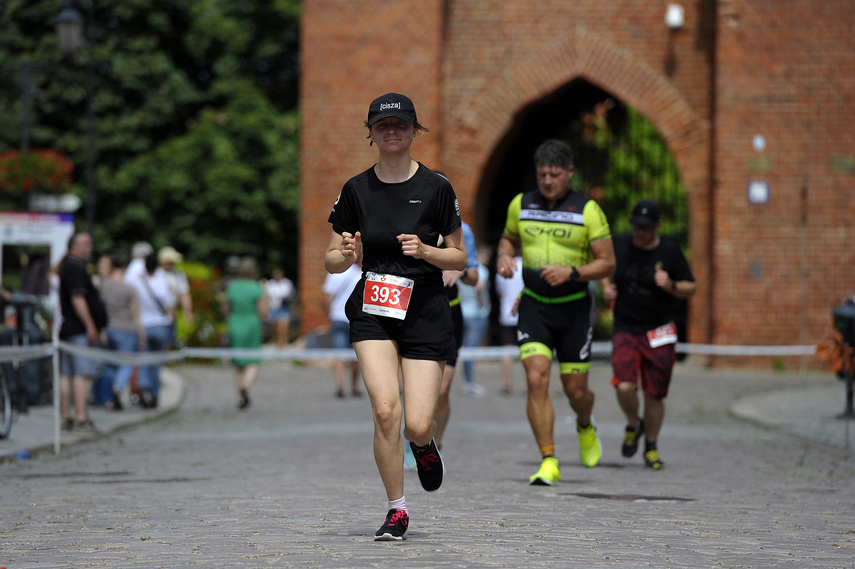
{"x": 714, "y": 350}
{"x": 112, "y": 356}
{"x": 31, "y": 352}
{"x": 323, "y": 354}
{"x": 488, "y": 353}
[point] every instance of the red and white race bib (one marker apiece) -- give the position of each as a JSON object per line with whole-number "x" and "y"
{"x": 387, "y": 295}
{"x": 666, "y": 334}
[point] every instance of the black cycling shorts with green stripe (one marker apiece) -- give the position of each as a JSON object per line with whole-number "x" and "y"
{"x": 563, "y": 327}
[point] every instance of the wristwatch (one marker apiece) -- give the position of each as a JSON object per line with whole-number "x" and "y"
{"x": 574, "y": 274}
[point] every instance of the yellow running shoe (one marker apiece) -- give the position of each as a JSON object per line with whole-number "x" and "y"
{"x": 652, "y": 460}
{"x": 590, "y": 448}
{"x": 548, "y": 474}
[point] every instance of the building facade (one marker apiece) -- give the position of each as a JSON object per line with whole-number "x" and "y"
{"x": 752, "y": 97}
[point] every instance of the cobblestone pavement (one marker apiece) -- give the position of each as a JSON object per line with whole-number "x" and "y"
{"x": 291, "y": 482}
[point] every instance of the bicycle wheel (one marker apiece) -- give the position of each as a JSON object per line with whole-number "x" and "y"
{"x": 5, "y": 406}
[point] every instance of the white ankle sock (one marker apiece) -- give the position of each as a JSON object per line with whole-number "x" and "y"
{"x": 399, "y": 504}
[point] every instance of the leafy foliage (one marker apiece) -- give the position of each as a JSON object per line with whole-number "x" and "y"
{"x": 196, "y": 129}
{"x": 208, "y": 327}
{"x": 626, "y": 160}
{"x": 642, "y": 167}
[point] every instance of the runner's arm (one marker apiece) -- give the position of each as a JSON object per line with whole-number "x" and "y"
{"x": 452, "y": 256}
{"x": 343, "y": 250}
{"x": 506, "y": 264}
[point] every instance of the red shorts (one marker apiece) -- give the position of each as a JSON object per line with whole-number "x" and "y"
{"x": 633, "y": 358}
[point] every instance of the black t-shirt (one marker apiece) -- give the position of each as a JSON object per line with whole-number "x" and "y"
{"x": 424, "y": 205}
{"x": 74, "y": 280}
{"x": 641, "y": 305}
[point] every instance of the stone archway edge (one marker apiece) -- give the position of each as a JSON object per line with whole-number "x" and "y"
{"x": 488, "y": 115}
{"x": 477, "y": 127}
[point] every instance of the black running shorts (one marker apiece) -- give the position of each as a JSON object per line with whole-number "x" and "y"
{"x": 427, "y": 332}
{"x": 457, "y": 319}
{"x": 564, "y": 327}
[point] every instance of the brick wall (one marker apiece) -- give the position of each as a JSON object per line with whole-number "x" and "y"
{"x": 786, "y": 71}
{"x": 353, "y": 52}
{"x": 768, "y": 274}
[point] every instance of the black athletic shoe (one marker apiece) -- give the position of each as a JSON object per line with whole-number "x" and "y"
{"x": 395, "y": 526}
{"x": 117, "y": 402}
{"x": 630, "y": 439}
{"x": 430, "y": 466}
{"x": 86, "y": 425}
{"x": 147, "y": 400}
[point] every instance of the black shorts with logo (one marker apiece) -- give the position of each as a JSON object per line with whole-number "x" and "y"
{"x": 564, "y": 327}
{"x": 426, "y": 333}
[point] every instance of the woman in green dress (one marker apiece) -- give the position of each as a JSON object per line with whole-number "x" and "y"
{"x": 246, "y": 305}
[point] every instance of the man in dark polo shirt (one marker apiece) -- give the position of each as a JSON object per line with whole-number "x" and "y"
{"x": 83, "y": 317}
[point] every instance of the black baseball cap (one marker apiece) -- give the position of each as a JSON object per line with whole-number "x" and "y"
{"x": 646, "y": 213}
{"x": 392, "y": 105}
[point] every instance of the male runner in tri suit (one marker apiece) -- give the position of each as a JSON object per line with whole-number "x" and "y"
{"x": 565, "y": 243}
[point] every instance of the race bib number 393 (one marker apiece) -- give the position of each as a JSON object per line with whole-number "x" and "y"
{"x": 387, "y": 295}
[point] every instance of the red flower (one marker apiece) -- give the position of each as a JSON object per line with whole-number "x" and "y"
{"x": 45, "y": 169}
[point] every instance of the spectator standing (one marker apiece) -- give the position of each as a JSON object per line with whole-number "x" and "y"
{"x": 155, "y": 311}
{"x": 125, "y": 333}
{"x": 102, "y": 270}
{"x": 652, "y": 274}
{"x": 83, "y": 319}
{"x": 282, "y": 293}
{"x": 179, "y": 286}
{"x": 246, "y": 306}
{"x": 565, "y": 243}
{"x": 139, "y": 252}
{"x": 337, "y": 288}
{"x": 508, "y": 291}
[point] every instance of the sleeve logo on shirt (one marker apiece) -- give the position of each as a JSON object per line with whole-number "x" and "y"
{"x": 457, "y": 207}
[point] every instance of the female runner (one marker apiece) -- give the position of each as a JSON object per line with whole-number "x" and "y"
{"x": 390, "y": 218}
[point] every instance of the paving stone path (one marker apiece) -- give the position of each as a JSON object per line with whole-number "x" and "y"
{"x": 292, "y": 483}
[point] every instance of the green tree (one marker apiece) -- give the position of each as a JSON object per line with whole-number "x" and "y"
{"x": 620, "y": 151}
{"x": 196, "y": 133}
{"x": 642, "y": 167}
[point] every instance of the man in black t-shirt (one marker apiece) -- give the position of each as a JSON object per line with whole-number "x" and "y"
{"x": 651, "y": 275}
{"x": 80, "y": 306}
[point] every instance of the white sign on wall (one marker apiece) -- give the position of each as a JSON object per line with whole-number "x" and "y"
{"x": 32, "y": 228}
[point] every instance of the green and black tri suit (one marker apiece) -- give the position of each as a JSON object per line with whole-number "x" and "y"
{"x": 555, "y": 317}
